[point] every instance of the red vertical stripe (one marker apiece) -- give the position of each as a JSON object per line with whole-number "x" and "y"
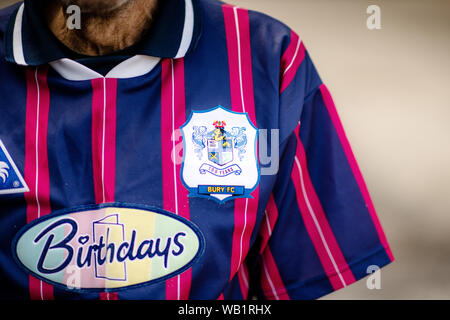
{"x": 36, "y": 161}
{"x": 104, "y": 118}
{"x": 110, "y": 140}
{"x": 291, "y": 60}
{"x": 98, "y": 104}
{"x": 316, "y": 223}
{"x": 237, "y": 28}
{"x": 175, "y": 197}
{"x": 109, "y": 296}
{"x": 329, "y": 103}
{"x": 243, "y": 278}
{"x": 267, "y": 225}
{"x": 234, "y": 53}
{"x": 104, "y": 138}
{"x": 271, "y": 282}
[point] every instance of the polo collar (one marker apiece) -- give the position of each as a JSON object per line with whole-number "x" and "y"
{"x": 174, "y": 33}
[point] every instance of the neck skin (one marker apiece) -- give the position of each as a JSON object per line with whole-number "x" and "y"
{"x": 102, "y": 32}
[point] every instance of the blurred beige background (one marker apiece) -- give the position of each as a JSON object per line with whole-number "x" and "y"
{"x": 392, "y": 90}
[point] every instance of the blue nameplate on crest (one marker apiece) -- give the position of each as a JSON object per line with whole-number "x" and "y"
{"x": 233, "y": 190}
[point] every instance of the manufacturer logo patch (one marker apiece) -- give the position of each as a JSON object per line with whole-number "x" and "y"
{"x": 219, "y": 155}
{"x": 11, "y": 181}
{"x": 109, "y": 246}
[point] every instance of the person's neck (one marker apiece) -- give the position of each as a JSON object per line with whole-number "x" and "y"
{"x": 102, "y": 33}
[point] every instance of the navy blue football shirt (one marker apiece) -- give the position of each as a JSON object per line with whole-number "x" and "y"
{"x": 143, "y": 174}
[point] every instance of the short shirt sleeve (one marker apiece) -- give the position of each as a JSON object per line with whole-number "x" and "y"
{"x": 320, "y": 232}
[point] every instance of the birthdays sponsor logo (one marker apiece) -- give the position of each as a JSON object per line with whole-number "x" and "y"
{"x": 110, "y": 246}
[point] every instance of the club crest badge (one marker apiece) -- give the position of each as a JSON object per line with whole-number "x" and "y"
{"x": 219, "y": 154}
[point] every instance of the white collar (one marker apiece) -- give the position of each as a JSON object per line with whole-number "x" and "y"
{"x": 135, "y": 66}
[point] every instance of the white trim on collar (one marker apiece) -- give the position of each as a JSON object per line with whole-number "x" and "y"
{"x": 135, "y": 66}
{"x": 18, "y": 54}
{"x": 188, "y": 30}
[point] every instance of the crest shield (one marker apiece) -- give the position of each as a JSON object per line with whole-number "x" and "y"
{"x": 219, "y": 154}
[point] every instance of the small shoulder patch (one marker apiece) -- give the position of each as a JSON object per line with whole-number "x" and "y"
{"x": 11, "y": 181}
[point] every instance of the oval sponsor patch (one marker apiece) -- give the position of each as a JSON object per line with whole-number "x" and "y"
{"x": 109, "y": 246}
